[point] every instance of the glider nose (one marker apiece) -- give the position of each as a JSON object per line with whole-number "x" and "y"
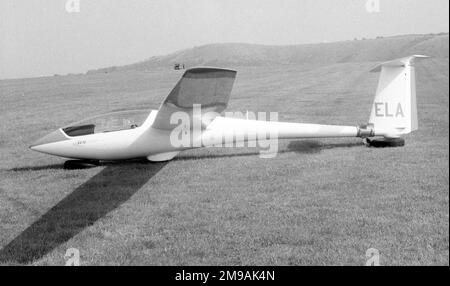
{"x": 53, "y": 137}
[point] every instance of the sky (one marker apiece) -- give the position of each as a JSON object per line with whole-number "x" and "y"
{"x": 46, "y": 37}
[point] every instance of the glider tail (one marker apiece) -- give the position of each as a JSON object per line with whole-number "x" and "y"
{"x": 394, "y": 110}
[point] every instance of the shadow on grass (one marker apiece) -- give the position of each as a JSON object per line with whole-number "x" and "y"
{"x": 89, "y": 202}
{"x": 298, "y": 146}
{"x": 310, "y": 146}
{"x": 37, "y": 168}
{"x": 103, "y": 193}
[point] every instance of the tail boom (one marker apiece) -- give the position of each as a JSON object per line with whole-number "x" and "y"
{"x": 232, "y": 130}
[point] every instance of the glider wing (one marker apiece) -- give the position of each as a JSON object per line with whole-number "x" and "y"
{"x": 208, "y": 87}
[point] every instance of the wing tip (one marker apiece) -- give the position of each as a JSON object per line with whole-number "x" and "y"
{"x": 207, "y": 71}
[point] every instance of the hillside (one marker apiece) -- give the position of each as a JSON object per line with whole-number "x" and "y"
{"x": 232, "y": 54}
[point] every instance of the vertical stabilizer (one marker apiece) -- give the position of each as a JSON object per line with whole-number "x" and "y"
{"x": 394, "y": 110}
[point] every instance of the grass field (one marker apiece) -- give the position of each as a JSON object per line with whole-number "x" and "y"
{"x": 321, "y": 202}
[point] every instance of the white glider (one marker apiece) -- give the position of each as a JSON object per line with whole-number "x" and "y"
{"x": 139, "y": 134}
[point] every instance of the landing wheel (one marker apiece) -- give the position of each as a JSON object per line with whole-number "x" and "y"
{"x": 80, "y": 164}
{"x": 384, "y": 142}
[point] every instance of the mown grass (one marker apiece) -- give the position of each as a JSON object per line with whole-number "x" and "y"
{"x": 319, "y": 202}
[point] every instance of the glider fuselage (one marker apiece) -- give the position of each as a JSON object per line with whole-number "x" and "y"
{"x": 156, "y": 144}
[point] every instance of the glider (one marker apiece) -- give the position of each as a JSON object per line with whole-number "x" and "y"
{"x": 200, "y": 96}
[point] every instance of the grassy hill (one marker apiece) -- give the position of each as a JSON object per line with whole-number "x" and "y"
{"x": 319, "y": 202}
{"x": 232, "y": 54}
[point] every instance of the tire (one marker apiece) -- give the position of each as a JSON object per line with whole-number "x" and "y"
{"x": 385, "y": 142}
{"x": 80, "y": 164}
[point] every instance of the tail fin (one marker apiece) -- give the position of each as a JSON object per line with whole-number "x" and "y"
{"x": 394, "y": 110}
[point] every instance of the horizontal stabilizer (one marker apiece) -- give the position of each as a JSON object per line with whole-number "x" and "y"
{"x": 402, "y": 62}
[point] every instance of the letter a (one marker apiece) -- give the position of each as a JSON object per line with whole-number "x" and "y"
{"x": 399, "y": 111}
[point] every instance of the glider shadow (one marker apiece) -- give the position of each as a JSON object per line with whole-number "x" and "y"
{"x": 89, "y": 202}
{"x": 311, "y": 146}
{"x": 297, "y": 146}
{"x": 103, "y": 193}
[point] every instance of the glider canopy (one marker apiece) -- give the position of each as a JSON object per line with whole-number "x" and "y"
{"x": 109, "y": 122}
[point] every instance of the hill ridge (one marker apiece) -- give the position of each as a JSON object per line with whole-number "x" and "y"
{"x": 247, "y": 54}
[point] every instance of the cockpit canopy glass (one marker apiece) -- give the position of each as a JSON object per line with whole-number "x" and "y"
{"x": 110, "y": 122}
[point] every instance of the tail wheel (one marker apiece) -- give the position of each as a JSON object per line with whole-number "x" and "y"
{"x": 80, "y": 164}
{"x": 385, "y": 142}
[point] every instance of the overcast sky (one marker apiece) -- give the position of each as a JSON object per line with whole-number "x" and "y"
{"x": 40, "y": 37}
